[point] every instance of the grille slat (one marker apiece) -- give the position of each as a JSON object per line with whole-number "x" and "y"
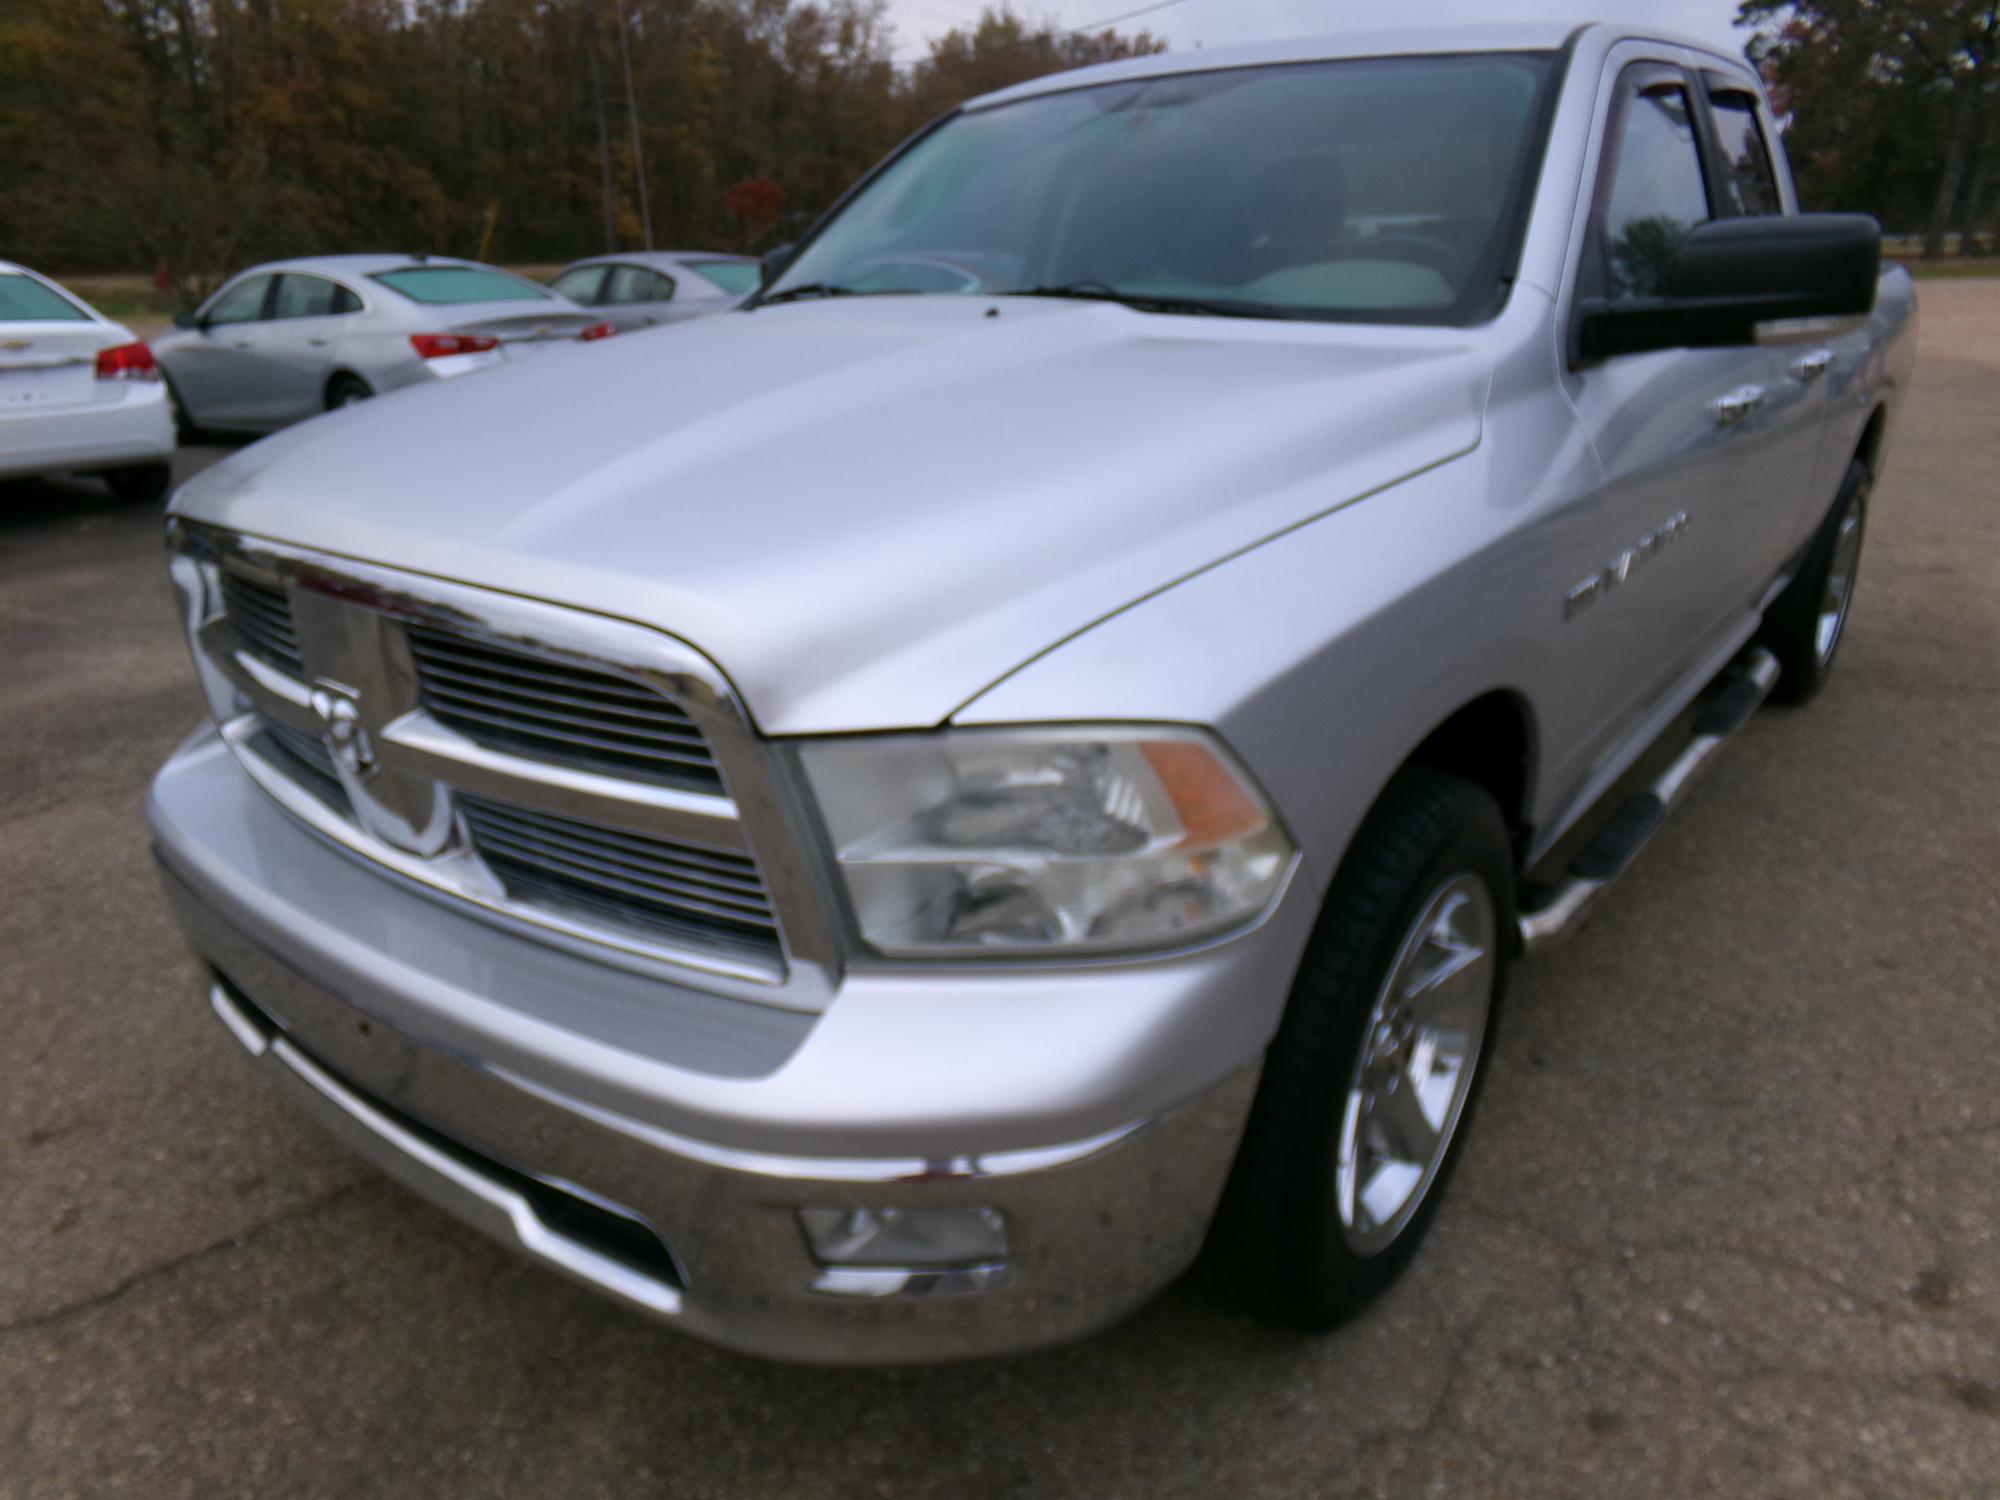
{"x": 551, "y": 710}
{"x": 636, "y": 881}
{"x": 262, "y": 618}
{"x": 309, "y": 758}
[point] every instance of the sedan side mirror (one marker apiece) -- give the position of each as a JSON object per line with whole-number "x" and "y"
{"x": 775, "y": 261}
{"x": 1729, "y": 275}
{"x": 187, "y": 320}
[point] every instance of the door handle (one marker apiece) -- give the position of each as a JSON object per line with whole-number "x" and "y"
{"x": 317, "y": 343}
{"x": 1738, "y": 404}
{"x": 1809, "y": 367}
{"x": 241, "y": 344}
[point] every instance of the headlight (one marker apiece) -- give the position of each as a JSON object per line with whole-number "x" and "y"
{"x": 1045, "y": 841}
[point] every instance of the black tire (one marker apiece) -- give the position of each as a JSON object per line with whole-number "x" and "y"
{"x": 1280, "y": 1239}
{"x": 346, "y": 390}
{"x": 185, "y": 430}
{"x": 1792, "y": 628}
{"x": 141, "y": 483}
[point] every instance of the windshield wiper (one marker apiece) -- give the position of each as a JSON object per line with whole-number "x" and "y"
{"x": 1098, "y": 291}
{"x": 814, "y": 290}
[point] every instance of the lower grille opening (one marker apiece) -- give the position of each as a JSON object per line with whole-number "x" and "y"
{"x": 307, "y": 760}
{"x": 588, "y": 1221}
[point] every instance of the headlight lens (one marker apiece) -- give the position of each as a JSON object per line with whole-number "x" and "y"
{"x": 1059, "y": 840}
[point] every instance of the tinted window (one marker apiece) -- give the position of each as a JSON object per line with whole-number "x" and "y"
{"x": 439, "y": 286}
{"x": 1749, "y": 184}
{"x": 579, "y": 285}
{"x": 1657, "y": 192}
{"x": 311, "y": 297}
{"x": 25, "y": 300}
{"x": 242, "y": 303}
{"x": 1376, "y": 188}
{"x": 736, "y": 277}
{"x": 630, "y": 284}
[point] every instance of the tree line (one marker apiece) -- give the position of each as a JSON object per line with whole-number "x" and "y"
{"x": 196, "y": 136}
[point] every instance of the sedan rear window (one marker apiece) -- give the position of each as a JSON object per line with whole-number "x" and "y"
{"x": 735, "y": 277}
{"x": 25, "y": 300}
{"x": 437, "y": 286}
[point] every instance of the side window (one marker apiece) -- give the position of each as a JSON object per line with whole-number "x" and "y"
{"x": 1749, "y": 185}
{"x": 579, "y": 285}
{"x": 1657, "y": 193}
{"x": 242, "y": 303}
{"x": 629, "y": 284}
{"x": 311, "y": 297}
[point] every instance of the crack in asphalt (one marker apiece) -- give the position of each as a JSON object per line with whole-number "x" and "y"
{"x": 237, "y": 1241}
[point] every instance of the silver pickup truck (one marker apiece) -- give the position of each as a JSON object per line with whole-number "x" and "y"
{"x": 880, "y": 826}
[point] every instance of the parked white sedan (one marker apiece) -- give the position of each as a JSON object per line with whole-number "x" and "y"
{"x": 78, "y": 393}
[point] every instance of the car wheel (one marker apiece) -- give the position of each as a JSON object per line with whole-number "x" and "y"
{"x": 141, "y": 483}
{"x": 1805, "y": 625}
{"x": 1368, "y": 1090}
{"x": 185, "y": 431}
{"x": 346, "y": 390}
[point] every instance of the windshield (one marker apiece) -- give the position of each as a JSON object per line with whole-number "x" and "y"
{"x": 1381, "y": 190}
{"x": 25, "y": 300}
{"x": 438, "y": 286}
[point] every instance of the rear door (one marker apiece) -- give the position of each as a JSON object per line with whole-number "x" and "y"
{"x": 1700, "y": 448}
{"x": 637, "y": 297}
{"x": 301, "y": 342}
{"x": 222, "y": 374}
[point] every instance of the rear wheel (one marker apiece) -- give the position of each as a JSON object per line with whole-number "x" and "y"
{"x": 141, "y": 483}
{"x": 1370, "y": 1085}
{"x": 1806, "y": 623}
{"x": 346, "y": 390}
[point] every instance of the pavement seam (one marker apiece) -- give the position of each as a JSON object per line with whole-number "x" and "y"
{"x": 237, "y": 1241}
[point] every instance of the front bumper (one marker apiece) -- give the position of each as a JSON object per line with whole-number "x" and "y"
{"x": 510, "y": 1083}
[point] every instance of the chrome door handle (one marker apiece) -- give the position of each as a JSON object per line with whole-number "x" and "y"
{"x": 1809, "y": 367}
{"x": 1738, "y": 404}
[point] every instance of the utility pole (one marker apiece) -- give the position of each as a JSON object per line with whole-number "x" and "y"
{"x": 603, "y": 129}
{"x": 632, "y": 109}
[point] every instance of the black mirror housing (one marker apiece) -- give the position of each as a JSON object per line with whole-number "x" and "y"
{"x": 1729, "y": 275}
{"x": 186, "y": 320}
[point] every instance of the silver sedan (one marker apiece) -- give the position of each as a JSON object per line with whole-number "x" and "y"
{"x": 282, "y": 341}
{"x": 649, "y": 287}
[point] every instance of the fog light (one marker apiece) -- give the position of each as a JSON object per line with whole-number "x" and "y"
{"x": 905, "y": 1236}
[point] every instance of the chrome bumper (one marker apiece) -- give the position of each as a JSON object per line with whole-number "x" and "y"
{"x": 1095, "y": 1222}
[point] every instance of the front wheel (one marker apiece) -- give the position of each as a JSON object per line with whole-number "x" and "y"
{"x": 1807, "y": 622}
{"x": 142, "y": 484}
{"x": 1369, "y": 1088}
{"x": 346, "y": 390}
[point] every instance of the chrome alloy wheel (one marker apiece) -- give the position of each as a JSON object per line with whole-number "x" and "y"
{"x": 1416, "y": 1064}
{"x": 1839, "y": 582}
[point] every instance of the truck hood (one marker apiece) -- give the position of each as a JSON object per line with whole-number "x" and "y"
{"x": 866, "y": 511}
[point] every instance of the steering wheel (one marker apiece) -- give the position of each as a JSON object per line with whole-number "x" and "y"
{"x": 1409, "y": 244}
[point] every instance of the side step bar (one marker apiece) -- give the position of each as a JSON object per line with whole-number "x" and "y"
{"x": 1611, "y": 853}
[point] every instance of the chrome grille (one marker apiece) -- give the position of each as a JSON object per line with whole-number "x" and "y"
{"x": 549, "y": 709}
{"x": 262, "y": 618}
{"x": 308, "y": 758}
{"x": 651, "y": 883}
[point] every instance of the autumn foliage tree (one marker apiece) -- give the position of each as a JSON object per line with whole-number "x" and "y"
{"x": 198, "y": 135}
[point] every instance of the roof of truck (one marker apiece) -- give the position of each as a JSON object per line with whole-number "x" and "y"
{"x": 1407, "y": 41}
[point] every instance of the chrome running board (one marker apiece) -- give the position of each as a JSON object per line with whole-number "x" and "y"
{"x": 1607, "y": 856}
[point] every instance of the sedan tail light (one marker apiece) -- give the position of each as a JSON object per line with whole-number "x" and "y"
{"x": 597, "y": 331}
{"x": 438, "y": 345}
{"x": 127, "y": 362}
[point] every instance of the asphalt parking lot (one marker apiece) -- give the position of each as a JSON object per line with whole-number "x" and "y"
{"x": 1730, "y": 1223}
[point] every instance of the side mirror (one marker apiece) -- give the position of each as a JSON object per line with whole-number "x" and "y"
{"x": 186, "y": 320}
{"x": 775, "y": 261}
{"x": 1729, "y": 275}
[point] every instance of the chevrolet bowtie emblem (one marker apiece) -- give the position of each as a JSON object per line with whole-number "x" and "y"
{"x": 16, "y": 344}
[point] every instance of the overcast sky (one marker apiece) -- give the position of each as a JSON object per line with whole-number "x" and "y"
{"x": 1217, "y": 23}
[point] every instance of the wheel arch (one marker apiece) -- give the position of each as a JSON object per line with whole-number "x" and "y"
{"x": 334, "y": 377}
{"x": 1492, "y": 742}
{"x": 1873, "y": 435}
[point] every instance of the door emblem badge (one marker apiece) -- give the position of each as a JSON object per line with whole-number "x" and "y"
{"x": 1582, "y": 595}
{"x": 339, "y": 713}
